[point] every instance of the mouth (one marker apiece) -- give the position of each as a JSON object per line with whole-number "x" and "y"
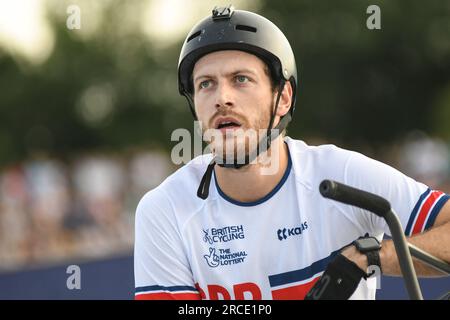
{"x": 224, "y": 124}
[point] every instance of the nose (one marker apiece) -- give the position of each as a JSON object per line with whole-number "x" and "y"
{"x": 224, "y": 96}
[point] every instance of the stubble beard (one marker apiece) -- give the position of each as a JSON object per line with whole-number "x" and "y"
{"x": 236, "y": 145}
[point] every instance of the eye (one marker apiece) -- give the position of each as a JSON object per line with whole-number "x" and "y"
{"x": 242, "y": 79}
{"x": 204, "y": 84}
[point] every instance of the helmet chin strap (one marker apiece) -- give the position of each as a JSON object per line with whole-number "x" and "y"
{"x": 203, "y": 189}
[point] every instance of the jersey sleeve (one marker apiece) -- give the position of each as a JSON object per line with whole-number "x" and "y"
{"x": 161, "y": 266}
{"x": 415, "y": 204}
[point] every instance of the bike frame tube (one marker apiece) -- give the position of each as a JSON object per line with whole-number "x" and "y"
{"x": 404, "y": 256}
{"x": 429, "y": 259}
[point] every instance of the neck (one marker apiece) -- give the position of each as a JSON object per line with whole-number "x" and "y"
{"x": 254, "y": 181}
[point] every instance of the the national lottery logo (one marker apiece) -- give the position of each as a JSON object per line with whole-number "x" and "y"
{"x": 224, "y": 257}
{"x": 225, "y": 234}
{"x": 212, "y": 259}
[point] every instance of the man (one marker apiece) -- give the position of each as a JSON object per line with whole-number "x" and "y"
{"x": 254, "y": 233}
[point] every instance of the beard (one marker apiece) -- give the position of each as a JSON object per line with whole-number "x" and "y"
{"x": 236, "y": 145}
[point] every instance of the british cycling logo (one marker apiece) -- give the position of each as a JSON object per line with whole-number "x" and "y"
{"x": 225, "y": 256}
{"x": 224, "y": 234}
{"x": 284, "y": 233}
{"x": 207, "y": 237}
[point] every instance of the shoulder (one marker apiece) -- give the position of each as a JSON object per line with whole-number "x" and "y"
{"x": 323, "y": 152}
{"x": 176, "y": 197}
{"x": 317, "y": 162}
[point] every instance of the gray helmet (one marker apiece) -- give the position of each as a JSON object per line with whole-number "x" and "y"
{"x": 229, "y": 29}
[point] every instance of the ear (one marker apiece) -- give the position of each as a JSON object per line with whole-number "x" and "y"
{"x": 285, "y": 99}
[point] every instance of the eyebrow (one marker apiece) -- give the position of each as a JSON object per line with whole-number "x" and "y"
{"x": 234, "y": 73}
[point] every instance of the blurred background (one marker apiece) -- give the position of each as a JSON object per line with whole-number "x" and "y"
{"x": 86, "y": 117}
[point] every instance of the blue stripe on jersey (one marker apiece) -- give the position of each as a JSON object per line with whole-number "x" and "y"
{"x": 414, "y": 213}
{"x": 263, "y": 199}
{"x": 162, "y": 288}
{"x": 437, "y": 208}
{"x": 302, "y": 274}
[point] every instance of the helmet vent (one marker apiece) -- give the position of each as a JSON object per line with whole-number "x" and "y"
{"x": 195, "y": 35}
{"x": 245, "y": 28}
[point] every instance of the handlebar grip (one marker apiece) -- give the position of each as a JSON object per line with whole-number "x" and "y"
{"x": 355, "y": 197}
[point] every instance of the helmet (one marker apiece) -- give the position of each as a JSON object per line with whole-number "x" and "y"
{"x": 229, "y": 29}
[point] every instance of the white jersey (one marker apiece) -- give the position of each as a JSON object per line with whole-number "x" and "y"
{"x": 274, "y": 248}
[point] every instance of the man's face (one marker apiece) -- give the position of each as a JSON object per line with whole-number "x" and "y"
{"x": 233, "y": 99}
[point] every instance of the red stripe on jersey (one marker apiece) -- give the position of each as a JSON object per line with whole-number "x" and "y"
{"x": 423, "y": 214}
{"x": 295, "y": 292}
{"x": 167, "y": 296}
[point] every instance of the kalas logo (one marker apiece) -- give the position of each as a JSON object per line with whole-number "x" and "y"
{"x": 284, "y": 233}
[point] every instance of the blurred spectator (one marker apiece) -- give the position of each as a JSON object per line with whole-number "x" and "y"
{"x": 100, "y": 186}
{"x": 14, "y": 219}
{"x": 426, "y": 159}
{"x": 147, "y": 171}
{"x": 49, "y": 203}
